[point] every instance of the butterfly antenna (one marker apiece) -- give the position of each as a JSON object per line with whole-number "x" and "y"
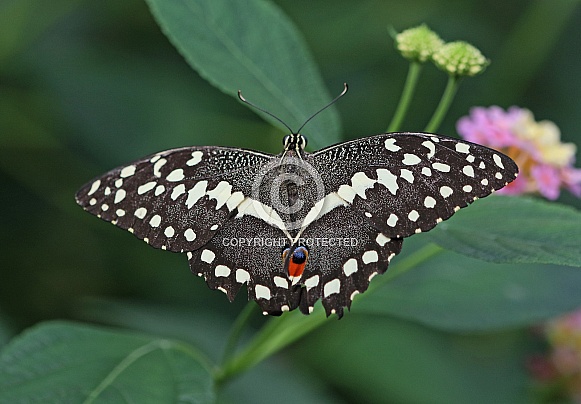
{"x": 244, "y": 100}
{"x": 345, "y": 88}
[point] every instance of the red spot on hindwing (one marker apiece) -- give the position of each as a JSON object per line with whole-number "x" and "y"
{"x": 297, "y": 262}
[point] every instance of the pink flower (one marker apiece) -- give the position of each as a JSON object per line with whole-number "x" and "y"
{"x": 548, "y": 180}
{"x": 564, "y": 337}
{"x": 545, "y": 163}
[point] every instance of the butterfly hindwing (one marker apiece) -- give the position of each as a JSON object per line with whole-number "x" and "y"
{"x": 346, "y": 251}
{"x": 246, "y": 250}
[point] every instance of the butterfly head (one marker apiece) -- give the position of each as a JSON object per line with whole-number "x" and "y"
{"x": 295, "y": 142}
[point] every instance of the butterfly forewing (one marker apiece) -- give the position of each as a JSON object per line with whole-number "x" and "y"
{"x": 408, "y": 182}
{"x": 177, "y": 199}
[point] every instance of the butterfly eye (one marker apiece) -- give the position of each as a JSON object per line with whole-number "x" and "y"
{"x": 286, "y": 141}
{"x": 302, "y": 142}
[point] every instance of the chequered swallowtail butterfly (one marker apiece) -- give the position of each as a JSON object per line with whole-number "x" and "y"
{"x": 296, "y": 227}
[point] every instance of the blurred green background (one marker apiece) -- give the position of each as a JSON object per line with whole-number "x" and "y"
{"x": 86, "y": 86}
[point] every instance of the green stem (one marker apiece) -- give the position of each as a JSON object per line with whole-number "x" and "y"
{"x": 282, "y": 331}
{"x": 277, "y": 334}
{"x": 236, "y": 331}
{"x": 406, "y": 96}
{"x": 444, "y": 105}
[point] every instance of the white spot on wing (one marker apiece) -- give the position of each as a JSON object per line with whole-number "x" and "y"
{"x": 281, "y": 282}
{"x": 222, "y": 270}
{"x": 468, "y": 170}
{"x": 347, "y": 193}
{"x": 157, "y": 167}
{"x": 497, "y": 160}
{"x": 462, "y": 148}
{"x": 322, "y": 207}
{"x": 332, "y": 287}
{"x": 382, "y": 240}
{"x": 262, "y": 292}
{"x": 360, "y": 183}
{"x": 207, "y": 256}
{"x": 196, "y": 158}
{"x": 155, "y": 221}
{"x": 177, "y": 191}
{"x": 413, "y": 215}
{"x": 445, "y": 168}
{"x": 242, "y": 276}
{"x": 235, "y": 199}
{"x": 146, "y": 187}
{"x": 169, "y": 231}
{"x": 391, "y": 146}
{"x": 190, "y": 235}
{"x": 388, "y": 180}
{"x": 119, "y": 195}
{"x": 429, "y": 202}
{"x": 370, "y": 256}
{"x": 260, "y": 211}
{"x": 312, "y": 282}
{"x": 411, "y": 159}
{"x": 127, "y": 172}
{"x": 407, "y": 175}
{"x": 176, "y": 175}
{"x": 94, "y": 187}
{"x": 350, "y": 267}
{"x": 446, "y": 191}
{"x": 392, "y": 220}
{"x": 221, "y": 193}
{"x": 194, "y": 194}
{"x": 431, "y": 147}
{"x": 160, "y": 189}
{"x": 140, "y": 213}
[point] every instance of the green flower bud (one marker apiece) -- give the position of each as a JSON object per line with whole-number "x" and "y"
{"x": 460, "y": 59}
{"x": 418, "y": 44}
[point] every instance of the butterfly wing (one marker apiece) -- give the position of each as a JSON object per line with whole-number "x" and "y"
{"x": 177, "y": 199}
{"x": 406, "y": 183}
{"x": 381, "y": 189}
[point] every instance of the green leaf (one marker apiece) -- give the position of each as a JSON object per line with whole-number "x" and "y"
{"x": 252, "y": 46}
{"x": 514, "y": 230}
{"x": 458, "y": 293}
{"x": 64, "y": 362}
{"x": 377, "y": 359}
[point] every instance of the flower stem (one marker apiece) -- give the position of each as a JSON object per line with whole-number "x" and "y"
{"x": 236, "y": 331}
{"x": 444, "y": 105}
{"x": 406, "y": 96}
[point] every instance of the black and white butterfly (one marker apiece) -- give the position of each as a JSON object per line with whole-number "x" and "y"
{"x": 296, "y": 227}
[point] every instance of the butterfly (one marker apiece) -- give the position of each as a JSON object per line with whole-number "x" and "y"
{"x": 297, "y": 227}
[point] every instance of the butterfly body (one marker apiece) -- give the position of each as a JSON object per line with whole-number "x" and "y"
{"x": 296, "y": 227}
